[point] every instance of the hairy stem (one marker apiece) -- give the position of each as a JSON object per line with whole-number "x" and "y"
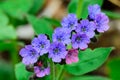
{"x": 60, "y": 73}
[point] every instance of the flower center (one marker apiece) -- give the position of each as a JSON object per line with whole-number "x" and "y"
{"x": 71, "y": 25}
{"x": 83, "y": 29}
{"x": 32, "y": 52}
{"x": 78, "y": 39}
{"x": 42, "y": 45}
{"x": 56, "y": 50}
{"x": 59, "y": 38}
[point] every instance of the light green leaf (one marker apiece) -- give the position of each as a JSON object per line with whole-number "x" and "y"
{"x": 3, "y": 19}
{"x": 113, "y": 67}
{"x": 16, "y": 8}
{"x": 38, "y": 4}
{"x": 89, "y": 60}
{"x": 21, "y": 73}
{"x": 7, "y": 32}
{"x": 40, "y": 25}
{"x": 89, "y": 78}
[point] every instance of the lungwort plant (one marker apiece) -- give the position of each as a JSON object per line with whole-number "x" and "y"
{"x": 67, "y": 50}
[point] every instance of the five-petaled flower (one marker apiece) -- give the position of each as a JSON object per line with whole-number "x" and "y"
{"x": 57, "y": 51}
{"x": 101, "y": 21}
{"x": 86, "y": 27}
{"x": 69, "y": 23}
{"x": 29, "y": 54}
{"x": 80, "y": 41}
{"x": 61, "y": 35}
{"x": 41, "y": 44}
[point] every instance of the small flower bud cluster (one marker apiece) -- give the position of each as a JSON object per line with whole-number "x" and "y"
{"x": 73, "y": 32}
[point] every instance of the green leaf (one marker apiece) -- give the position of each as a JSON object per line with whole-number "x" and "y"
{"x": 7, "y": 32}
{"x": 72, "y": 7}
{"x": 111, "y": 14}
{"x": 113, "y": 67}
{"x": 6, "y": 46}
{"x": 16, "y": 8}
{"x": 89, "y": 60}
{"x": 6, "y": 71}
{"x": 3, "y": 19}
{"x": 80, "y": 7}
{"x": 21, "y": 73}
{"x": 89, "y": 78}
{"x": 40, "y": 25}
{"x": 54, "y": 22}
{"x": 38, "y": 4}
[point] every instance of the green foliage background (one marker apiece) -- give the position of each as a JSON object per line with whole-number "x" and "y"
{"x": 20, "y": 12}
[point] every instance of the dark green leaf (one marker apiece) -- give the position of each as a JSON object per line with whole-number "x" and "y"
{"x": 6, "y": 71}
{"x": 40, "y": 25}
{"x": 21, "y": 73}
{"x": 7, "y": 32}
{"x": 54, "y": 22}
{"x": 80, "y": 7}
{"x": 16, "y": 8}
{"x": 86, "y": 3}
{"x": 113, "y": 67}
{"x": 72, "y": 7}
{"x": 112, "y": 14}
{"x": 38, "y": 4}
{"x": 89, "y": 78}
{"x": 89, "y": 60}
{"x": 6, "y": 46}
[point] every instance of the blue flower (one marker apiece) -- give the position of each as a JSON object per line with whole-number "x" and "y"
{"x": 101, "y": 21}
{"x": 61, "y": 35}
{"x": 29, "y": 54}
{"x": 69, "y": 22}
{"x": 93, "y": 10}
{"x": 86, "y": 27}
{"x": 57, "y": 51}
{"x": 41, "y": 44}
{"x": 80, "y": 41}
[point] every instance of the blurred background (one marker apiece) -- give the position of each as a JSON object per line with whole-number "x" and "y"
{"x": 21, "y": 20}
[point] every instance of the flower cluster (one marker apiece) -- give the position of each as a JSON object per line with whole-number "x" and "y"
{"x": 74, "y": 32}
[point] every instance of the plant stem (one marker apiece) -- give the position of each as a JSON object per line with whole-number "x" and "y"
{"x": 52, "y": 71}
{"x": 79, "y": 8}
{"x": 60, "y": 73}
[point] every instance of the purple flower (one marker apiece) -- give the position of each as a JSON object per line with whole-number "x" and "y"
{"x": 93, "y": 10}
{"x": 41, "y": 71}
{"x": 57, "y": 51}
{"x": 80, "y": 41}
{"x": 61, "y": 35}
{"x": 72, "y": 56}
{"x": 86, "y": 27}
{"x": 29, "y": 55}
{"x": 69, "y": 22}
{"x": 101, "y": 21}
{"x": 41, "y": 44}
